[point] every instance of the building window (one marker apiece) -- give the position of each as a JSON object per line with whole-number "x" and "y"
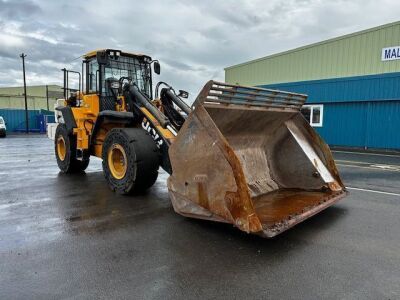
{"x": 313, "y": 114}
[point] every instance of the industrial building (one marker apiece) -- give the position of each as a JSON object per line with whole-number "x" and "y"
{"x": 40, "y": 103}
{"x": 352, "y": 83}
{"x": 38, "y": 97}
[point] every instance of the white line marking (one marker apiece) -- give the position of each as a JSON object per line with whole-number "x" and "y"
{"x": 371, "y": 168}
{"x": 387, "y": 167}
{"x": 364, "y": 163}
{"x": 364, "y": 153}
{"x": 353, "y": 162}
{"x": 374, "y": 165}
{"x": 373, "y": 191}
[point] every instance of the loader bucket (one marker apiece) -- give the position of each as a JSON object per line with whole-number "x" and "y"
{"x": 247, "y": 156}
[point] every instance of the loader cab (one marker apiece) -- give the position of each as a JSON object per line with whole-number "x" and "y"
{"x": 105, "y": 70}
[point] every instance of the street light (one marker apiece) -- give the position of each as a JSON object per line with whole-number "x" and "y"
{"x": 26, "y": 100}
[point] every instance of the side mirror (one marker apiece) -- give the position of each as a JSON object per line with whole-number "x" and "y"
{"x": 183, "y": 94}
{"x": 157, "y": 68}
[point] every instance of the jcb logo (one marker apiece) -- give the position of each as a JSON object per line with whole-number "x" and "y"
{"x": 149, "y": 128}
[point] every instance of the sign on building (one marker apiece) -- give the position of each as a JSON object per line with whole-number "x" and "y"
{"x": 391, "y": 53}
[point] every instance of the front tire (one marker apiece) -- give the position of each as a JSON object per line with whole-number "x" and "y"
{"x": 65, "y": 150}
{"x": 130, "y": 160}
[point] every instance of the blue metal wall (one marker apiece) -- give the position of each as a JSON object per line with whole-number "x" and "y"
{"x": 370, "y": 124}
{"x": 383, "y": 125}
{"x": 343, "y": 131}
{"x": 15, "y": 119}
{"x": 359, "y": 88}
{"x": 361, "y": 111}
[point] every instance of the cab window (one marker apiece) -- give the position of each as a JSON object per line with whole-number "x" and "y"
{"x": 93, "y": 75}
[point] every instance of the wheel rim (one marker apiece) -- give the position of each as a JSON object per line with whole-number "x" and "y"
{"x": 117, "y": 161}
{"x": 61, "y": 148}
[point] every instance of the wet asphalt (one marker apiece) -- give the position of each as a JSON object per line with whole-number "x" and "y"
{"x": 71, "y": 237}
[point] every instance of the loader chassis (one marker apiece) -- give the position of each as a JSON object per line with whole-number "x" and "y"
{"x": 240, "y": 155}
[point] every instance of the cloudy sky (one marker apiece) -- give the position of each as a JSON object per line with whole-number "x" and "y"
{"x": 194, "y": 40}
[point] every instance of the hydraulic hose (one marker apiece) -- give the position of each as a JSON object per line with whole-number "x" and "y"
{"x": 141, "y": 99}
{"x": 178, "y": 101}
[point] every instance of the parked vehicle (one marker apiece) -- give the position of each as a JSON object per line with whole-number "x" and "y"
{"x": 3, "y": 129}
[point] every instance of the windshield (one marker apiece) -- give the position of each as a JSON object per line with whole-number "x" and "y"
{"x": 131, "y": 67}
{"x": 1, "y": 121}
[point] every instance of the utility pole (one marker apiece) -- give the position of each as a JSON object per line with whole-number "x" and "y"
{"x": 47, "y": 96}
{"x": 26, "y": 100}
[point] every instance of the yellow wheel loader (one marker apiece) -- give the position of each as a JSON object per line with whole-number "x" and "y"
{"x": 240, "y": 155}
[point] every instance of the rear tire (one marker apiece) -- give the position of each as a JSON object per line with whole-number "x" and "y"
{"x": 65, "y": 150}
{"x": 130, "y": 160}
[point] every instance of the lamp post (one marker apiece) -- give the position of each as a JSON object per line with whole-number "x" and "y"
{"x": 47, "y": 96}
{"x": 26, "y": 100}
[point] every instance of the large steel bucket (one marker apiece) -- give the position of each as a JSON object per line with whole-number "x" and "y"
{"x": 247, "y": 156}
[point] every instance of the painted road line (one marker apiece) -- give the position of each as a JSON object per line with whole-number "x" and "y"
{"x": 374, "y": 165}
{"x": 364, "y": 153}
{"x": 354, "y": 162}
{"x": 364, "y": 162}
{"x": 387, "y": 167}
{"x": 370, "y": 167}
{"x": 373, "y": 191}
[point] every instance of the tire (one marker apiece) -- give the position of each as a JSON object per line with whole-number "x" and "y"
{"x": 130, "y": 160}
{"x": 65, "y": 150}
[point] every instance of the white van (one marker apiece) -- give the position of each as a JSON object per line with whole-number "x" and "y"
{"x": 3, "y": 129}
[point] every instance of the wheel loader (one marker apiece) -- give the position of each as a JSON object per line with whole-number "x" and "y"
{"x": 240, "y": 155}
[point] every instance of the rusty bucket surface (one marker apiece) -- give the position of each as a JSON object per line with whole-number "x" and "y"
{"x": 247, "y": 156}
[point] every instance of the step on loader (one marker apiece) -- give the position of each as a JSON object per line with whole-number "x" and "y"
{"x": 240, "y": 155}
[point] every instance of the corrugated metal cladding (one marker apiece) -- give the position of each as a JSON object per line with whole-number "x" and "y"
{"x": 350, "y": 55}
{"x": 359, "y": 91}
{"x": 13, "y": 97}
{"x": 362, "y": 124}
{"x": 360, "y": 88}
{"x": 361, "y": 111}
{"x": 15, "y": 119}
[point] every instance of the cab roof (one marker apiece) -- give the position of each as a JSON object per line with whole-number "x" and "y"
{"x": 93, "y": 53}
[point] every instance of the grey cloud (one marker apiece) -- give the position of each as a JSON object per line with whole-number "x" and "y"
{"x": 6, "y": 53}
{"x": 18, "y": 10}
